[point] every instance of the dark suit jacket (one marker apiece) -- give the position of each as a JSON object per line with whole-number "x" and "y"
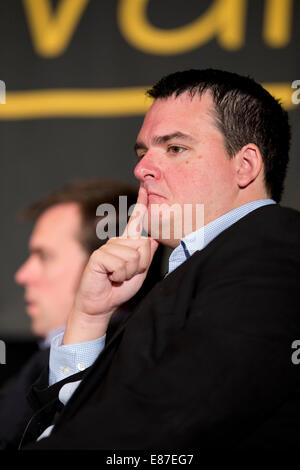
{"x": 15, "y": 406}
{"x": 205, "y": 359}
{"x": 15, "y": 410}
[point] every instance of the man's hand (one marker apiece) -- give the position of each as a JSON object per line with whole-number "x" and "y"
{"x": 114, "y": 274}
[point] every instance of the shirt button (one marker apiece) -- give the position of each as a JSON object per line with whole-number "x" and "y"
{"x": 66, "y": 370}
{"x": 81, "y": 366}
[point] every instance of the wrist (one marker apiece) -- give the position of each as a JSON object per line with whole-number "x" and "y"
{"x": 82, "y": 327}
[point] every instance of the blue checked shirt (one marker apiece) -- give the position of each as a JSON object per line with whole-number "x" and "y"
{"x": 66, "y": 360}
{"x": 198, "y": 240}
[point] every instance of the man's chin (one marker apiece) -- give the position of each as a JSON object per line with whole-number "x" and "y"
{"x": 162, "y": 236}
{"x": 38, "y": 330}
{"x": 38, "y": 333}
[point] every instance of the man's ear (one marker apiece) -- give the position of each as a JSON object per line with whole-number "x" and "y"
{"x": 248, "y": 164}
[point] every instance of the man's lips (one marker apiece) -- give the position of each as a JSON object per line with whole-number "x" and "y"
{"x": 31, "y": 308}
{"x": 155, "y": 199}
{"x": 30, "y": 303}
{"x": 153, "y": 194}
{"x": 151, "y": 191}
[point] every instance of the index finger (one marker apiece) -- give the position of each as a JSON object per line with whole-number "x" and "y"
{"x": 134, "y": 226}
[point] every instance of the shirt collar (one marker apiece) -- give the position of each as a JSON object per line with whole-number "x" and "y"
{"x": 46, "y": 342}
{"x": 199, "y": 239}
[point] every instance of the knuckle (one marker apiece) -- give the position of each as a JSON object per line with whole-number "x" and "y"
{"x": 143, "y": 266}
{"x": 135, "y": 255}
{"x": 95, "y": 254}
{"x": 145, "y": 241}
{"x": 112, "y": 240}
{"x": 120, "y": 264}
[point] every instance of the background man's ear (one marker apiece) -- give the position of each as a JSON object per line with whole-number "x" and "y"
{"x": 248, "y": 164}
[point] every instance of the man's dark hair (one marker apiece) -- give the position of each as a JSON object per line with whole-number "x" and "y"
{"x": 88, "y": 195}
{"x": 244, "y": 112}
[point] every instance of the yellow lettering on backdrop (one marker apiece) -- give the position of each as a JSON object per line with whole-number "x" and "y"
{"x": 52, "y": 32}
{"x": 277, "y": 22}
{"x": 38, "y": 104}
{"x": 224, "y": 19}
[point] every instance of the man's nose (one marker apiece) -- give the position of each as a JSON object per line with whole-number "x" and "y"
{"x": 147, "y": 169}
{"x": 24, "y": 273}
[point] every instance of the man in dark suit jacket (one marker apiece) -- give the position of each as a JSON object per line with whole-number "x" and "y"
{"x": 205, "y": 360}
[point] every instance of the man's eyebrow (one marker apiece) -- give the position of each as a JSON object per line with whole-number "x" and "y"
{"x": 36, "y": 250}
{"x": 139, "y": 146}
{"x": 162, "y": 139}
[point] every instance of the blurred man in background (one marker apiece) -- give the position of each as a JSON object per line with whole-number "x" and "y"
{"x": 63, "y": 238}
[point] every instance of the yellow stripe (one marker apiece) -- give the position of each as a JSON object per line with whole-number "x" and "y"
{"x": 74, "y": 103}
{"x": 95, "y": 103}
